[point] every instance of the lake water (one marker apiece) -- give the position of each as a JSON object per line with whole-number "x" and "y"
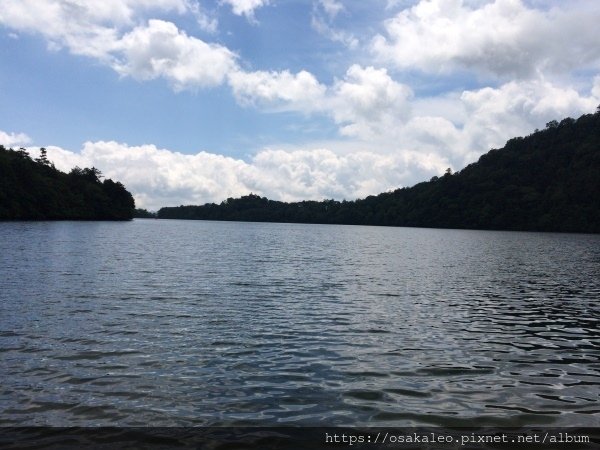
{"x": 214, "y": 323}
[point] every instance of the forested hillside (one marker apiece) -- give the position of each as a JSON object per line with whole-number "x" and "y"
{"x": 547, "y": 181}
{"x": 36, "y": 190}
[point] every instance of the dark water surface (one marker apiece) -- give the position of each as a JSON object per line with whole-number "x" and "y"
{"x": 213, "y": 323}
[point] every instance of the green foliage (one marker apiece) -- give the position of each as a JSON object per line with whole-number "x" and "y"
{"x": 141, "y": 213}
{"x": 36, "y": 190}
{"x": 548, "y": 181}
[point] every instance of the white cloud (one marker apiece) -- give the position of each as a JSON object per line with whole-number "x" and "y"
{"x": 381, "y": 115}
{"x": 398, "y": 142}
{"x": 205, "y": 20}
{"x": 160, "y": 49}
{"x": 113, "y": 32}
{"x": 596, "y": 88}
{"x": 517, "y": 107}
{"x": 331, "y": 7}
{"x": 56, "y": 18}
{"x": 323, "y": 173}
{"x": 463, "y": 127}
{"x": 343, "y": 37}
{"x": 323, "y": 14}
{"x": 245, "y": 7}
{"x": 369, "y": 106}
{"x": 13, "y": 139}
{"x": 84, "y": 27}
{"x": 502, "y": 37}
{"x": 300, "y": 91}
{"x": 390, "y": 137}
{"x": 367, "y": 102}
{"x": 159, "y": 177}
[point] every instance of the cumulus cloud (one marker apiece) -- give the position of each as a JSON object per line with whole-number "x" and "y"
{"x": 368, "y": 105}
{"x": 501, "y": 37}
{"x": 84, "y": 27}
{"x": 486, "y": 118}
{"x": 246, "y": 7}
{"x": 417, "y": 145}
{"x": 518, "y": 107}
{"x": 62, "y": 17}
{"x": 364, "y": 103}
{"x": 114, "y": 33}
{"x": 464, "y": 125}
{"x": 13, "y": 139}
{"x": 391, "y": 137}
{"x": 159, "y": 177}
{"x": 596, "y": 88}
{"x": 160, "y": 49}
{"x": 368, "y": 102}
{"x": 323, "y": 173}
{"x": 301, "y": 91}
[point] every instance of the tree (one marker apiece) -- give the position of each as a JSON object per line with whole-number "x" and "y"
{"x": 89, "y": 174}
{"x": 43, "y": 159}
{"x": 92, "y": 174}
{"x": 36, "y": 190}
{"x": 500, "y": 191}
{"x": 22, "y": 153}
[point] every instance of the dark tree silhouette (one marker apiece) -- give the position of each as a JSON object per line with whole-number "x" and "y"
{"x": 43, "y": 158}
{"x": 547, "y": 181}
{"x": 36, "y": 190}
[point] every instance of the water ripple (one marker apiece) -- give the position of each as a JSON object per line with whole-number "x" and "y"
{"x": 174, "y": 323}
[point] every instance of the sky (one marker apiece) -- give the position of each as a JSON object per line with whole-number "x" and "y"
{"x": 194, "y": 101}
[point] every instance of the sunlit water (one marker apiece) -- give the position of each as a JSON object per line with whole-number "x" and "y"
{"x": 213, "y": 323}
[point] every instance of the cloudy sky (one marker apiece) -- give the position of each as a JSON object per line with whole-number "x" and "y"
{"x": 194, "y": 101}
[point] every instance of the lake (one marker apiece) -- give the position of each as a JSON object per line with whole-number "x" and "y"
{"x": 192, "y": 323}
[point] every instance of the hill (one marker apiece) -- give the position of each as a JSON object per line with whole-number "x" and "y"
{"x": 36, "y": 190}
{"x": 547, "y": 181}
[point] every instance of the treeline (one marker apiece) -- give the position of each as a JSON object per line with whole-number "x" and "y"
{"x": 142, "y": 213}
{"x": 547, "y": 181}
{"x": 35, "y": 190}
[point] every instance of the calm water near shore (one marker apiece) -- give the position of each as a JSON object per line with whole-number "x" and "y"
{"x": 219, "y": 323}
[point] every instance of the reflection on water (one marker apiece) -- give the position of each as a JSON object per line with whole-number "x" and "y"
{"x": 207, "y": 323}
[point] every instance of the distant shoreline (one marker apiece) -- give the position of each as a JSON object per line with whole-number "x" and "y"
{"x": 547, "y": 181}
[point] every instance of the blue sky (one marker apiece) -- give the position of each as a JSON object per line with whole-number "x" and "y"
{"x": 188, "y": 101}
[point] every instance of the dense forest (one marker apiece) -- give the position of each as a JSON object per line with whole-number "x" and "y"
{"x": 142, "y": 213}
{"x": 35, "y": 190}
{"x": 547, "y": 181}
